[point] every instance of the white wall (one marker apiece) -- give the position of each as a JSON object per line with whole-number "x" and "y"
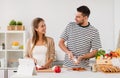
{"x": 117, "y": 23}
{"x": 57, "y": 14}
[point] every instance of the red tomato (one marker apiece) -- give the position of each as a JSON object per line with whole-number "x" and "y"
{"x": 37, "y": 68}
{"x": 57, "y": 69}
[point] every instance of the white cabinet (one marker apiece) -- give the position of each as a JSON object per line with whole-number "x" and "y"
{"x": 2, "y": 51}
{"x": 1, "y": 73}
{"x": 10, "y": 54}
{"x": 11, "y": 72}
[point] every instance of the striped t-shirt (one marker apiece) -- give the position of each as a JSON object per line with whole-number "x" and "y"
{"x": 80, "y": 40}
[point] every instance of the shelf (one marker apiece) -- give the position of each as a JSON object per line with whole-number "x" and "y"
{"x": 8, "y": 68}
{"x": 15, "y": 50}
{"x": 15, "y": 31}
{"x": 10, "y": 54}
{"x": 2, "y": 68}
{"x": 12, "y": 50}
{"x": 12, "y": 68}
{"x": 12, "y": 31}
{"x": 2, "y": 50}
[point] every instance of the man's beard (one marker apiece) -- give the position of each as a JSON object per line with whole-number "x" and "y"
{"x": 81, "y": 23}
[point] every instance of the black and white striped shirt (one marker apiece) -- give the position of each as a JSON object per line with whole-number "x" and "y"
{"x": 80, "y": 40}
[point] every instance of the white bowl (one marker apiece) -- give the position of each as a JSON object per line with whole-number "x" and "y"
{"x": 15, "y": 47}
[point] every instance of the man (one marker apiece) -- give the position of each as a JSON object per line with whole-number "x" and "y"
{"x": 81, "y": 38}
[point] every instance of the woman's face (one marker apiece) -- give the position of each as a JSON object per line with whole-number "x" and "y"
{"x": 41, "y": 28}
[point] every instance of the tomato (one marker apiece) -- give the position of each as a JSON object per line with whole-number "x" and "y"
{"x": 37, "y": 68}
{"x": 57, "y": 69}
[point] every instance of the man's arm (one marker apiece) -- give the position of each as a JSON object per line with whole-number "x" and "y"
{"x": 64, "y": 48}
{"x": 88, "y": 55}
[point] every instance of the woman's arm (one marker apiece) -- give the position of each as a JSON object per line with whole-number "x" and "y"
{"x": 48, "y": 63}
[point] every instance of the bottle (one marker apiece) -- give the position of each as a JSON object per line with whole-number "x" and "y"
{"x": 3, "y": 46}
{"x": 94, "y": 68}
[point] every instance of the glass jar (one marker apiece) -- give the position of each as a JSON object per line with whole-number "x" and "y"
{"x": 3, "y": 45}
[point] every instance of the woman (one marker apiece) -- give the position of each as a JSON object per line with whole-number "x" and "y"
{"x": 41, "y": 48}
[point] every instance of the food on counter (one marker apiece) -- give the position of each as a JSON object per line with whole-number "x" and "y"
{"x": 111, "y": 55}
{"x": 56, "y": 69}
{"x": 78, "y": 69}
{"x": 100, "y": 53}
{"x": 116, "y": 62}
{"x": 107, "y": 56}
{"x": 118, "y": 51}
{"x": 39, "y": 67}
{"x": 104, "y": 61}
{"x": 109, "y": 62}
{"x": 108, "y": 68}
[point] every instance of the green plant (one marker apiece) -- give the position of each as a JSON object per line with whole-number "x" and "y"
{"x": 12, "y": 22}
{"x": 19, "y": 23}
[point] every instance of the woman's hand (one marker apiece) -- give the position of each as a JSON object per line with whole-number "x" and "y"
{"x": 43, "y": 67}
{"x": 35, "y": 60}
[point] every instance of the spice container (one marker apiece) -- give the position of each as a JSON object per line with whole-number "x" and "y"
{"x": 3, "y": 46}
{"x": 94, "y": 68}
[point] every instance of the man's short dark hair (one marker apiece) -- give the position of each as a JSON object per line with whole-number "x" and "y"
{"x": 84, "y": 10}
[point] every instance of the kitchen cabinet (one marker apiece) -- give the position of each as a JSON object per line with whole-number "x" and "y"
{"x": 1, "y": 73}
{"x": 11, "y": 72}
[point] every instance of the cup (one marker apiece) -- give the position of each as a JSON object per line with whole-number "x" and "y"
{"x": 2, "y": 62}
{"x": 0, "y": 47}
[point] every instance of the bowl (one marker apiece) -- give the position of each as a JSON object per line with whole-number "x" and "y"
{"x": 15, "y": 47}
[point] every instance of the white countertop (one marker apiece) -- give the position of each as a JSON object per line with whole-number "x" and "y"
{"x": 71, "y": 74}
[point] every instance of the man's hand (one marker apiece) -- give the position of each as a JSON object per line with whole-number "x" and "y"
{"x": 70, "y": 55}
{"x": 79, "y": 59}
{"x": 75, "y": 60}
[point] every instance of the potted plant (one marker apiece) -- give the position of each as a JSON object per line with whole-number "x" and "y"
{"x": 19, "y": 26}
{"x": 12, "y": 25}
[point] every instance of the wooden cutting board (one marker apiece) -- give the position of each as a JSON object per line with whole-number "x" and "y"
{"x": 45, "y": 70}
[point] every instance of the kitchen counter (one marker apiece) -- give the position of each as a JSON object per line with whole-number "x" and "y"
{"x": 71, "y": 74}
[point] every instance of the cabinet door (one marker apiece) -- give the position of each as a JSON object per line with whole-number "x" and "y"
{"x": 1, "y": 73}
{"x": 11, "y": 73}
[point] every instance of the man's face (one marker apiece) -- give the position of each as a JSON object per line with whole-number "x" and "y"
{"x": 80, "y": 19}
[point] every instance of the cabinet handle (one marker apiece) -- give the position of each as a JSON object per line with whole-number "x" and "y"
{"x": 14, "y": 71}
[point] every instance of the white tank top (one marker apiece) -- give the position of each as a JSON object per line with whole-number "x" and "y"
{"x": 39, "y": 53}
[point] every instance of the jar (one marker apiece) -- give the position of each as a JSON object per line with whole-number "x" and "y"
{"x": 3, "y": 46}
{"x": 94, "y": 68}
